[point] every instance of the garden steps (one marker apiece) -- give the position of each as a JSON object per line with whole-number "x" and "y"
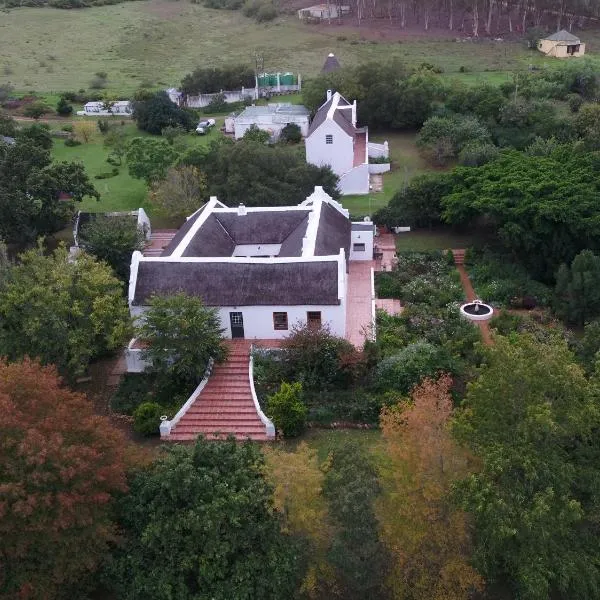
{"x": 225, "y": 406}
{"x": 159, "y": 239}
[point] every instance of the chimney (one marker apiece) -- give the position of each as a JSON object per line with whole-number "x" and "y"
{"x": 329, "y": 94}
{"x": 242, "y": 210}
{"x": 354, "y": 113}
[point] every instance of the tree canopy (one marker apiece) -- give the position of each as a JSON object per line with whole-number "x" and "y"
{"x": 544, "y": 208}
{"x": 65, "y": 312}
{"x": 531, "y": 419}
{"x": 150, "y": 159}
{"x": 60, "y": 466}
{"x": 200, "y": 524}
{"x": 258, "y": 175}
{"x": 156, "y": 113}
{"x": 210, "y": 80}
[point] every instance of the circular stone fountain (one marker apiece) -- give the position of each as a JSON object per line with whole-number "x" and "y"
{"x": 476, "y": 311}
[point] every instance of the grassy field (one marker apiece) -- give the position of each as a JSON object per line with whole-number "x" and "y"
{"x": 437, "y": 239}
{"x": 157, "y": 41}
{"x": 406, "y": 163}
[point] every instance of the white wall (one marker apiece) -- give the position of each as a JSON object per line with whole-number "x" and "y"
{"x": 378, "y": 150}
{"x": 379, "y": 167}
{"x": 267, "y": 124}
{"x": 258, "y": 320}
{"x": 355, "y": 181}
{"x": 362, "y": 237}
{"x": 339, "y": 155}
{"x": 203, "y": 100}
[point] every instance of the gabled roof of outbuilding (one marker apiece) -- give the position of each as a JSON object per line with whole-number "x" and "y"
{"x": 563, "y": 36}
{"x": 331, "y": 64}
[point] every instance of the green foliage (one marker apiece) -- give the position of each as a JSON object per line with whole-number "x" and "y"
{"x": 113, "y": 240}
{"x": 37, "y": 109}
{"x": 8, "y": 126}
{"x": 484, "y": 101}
{"x": 146, "y": 418}
{"x": 199, "y": 523}
{"x": 38, "y": 134}
{"x": 388, "y": 95}
{"x": 457, "y": 131}
{"x": 533, "y": 498}
{"x": 134, "y": 389}
{"x": 351, "y": 487}
{"x": 497, "y": 279}
{"x": 171, "y": 133}
{"x": 30, "y": 189}
{"x": 63, "y": 108}
{"x": 590, "y": 345}
{"x": 149, "y": 159}
{"x": 577, "y": 292}
{"x": 116, "y": 141}
{"x": 287, "y": 410}
{"x": 215, "y": 79}
{"x": 65, "y": 312}
{"x": 420, "y": 277}
{"x": 410, "y": 365}
{"x": 254, "y": 134}
{"x": 291, "y": 134}
{"x": 103, "y": 126}
{"x": 544, "y": 208}
{"x": 476, "y": 154}
{"x": 260, "y": 175}
{"x": 218, "y": 104}
{"x": 417, "y": 205}
{"x": 587, "y": 125}
{"x": 182, "y": 336}
{"x": 158, "y": 112}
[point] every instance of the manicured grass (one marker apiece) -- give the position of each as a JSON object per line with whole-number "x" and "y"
{"x": 123, "y": 192}
{"x": 156, "y": 42}
{"x": 437, "y": 239}
{"x": 406, "y": 163}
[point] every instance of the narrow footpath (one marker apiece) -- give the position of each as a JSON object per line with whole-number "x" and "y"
{"x": 459, "y": 259}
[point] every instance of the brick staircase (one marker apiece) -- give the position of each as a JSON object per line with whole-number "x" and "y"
{"x": 225, "y": 406}
{"x": 159, "y": 239}
{"x": 459, "y": 256}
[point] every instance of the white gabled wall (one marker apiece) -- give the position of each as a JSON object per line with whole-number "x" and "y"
{"x": 362, "y": 237}
{"x": 339, "y": 155}
{"x": 355, "y": 181}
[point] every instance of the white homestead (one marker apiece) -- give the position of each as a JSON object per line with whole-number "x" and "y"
{"x": 264, "y": 269}
{"x": 272, "y": 119}
{"x": 121, "y": 108}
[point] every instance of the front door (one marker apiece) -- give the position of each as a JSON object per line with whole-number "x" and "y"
{"x": 236, "y": 320}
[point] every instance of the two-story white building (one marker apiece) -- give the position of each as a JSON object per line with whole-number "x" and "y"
{"x": 334, "y": 140}
{"x": 263, "y": 269}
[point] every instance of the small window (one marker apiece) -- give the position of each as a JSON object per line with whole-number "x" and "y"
{"x": 280, "y": 321}
{"x": 313, "y": 319}
{"x": 359, "y": 247}
{"x": 329, "y": 139}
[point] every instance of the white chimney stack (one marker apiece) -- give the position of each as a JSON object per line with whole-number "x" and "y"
{"x": 329, "y": 94}
{"x": 242, "y": 210}
{"x": 354, "y": 113}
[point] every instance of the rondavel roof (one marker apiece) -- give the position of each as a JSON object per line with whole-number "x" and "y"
{"x": 201, "y": 259}
{"x": 331, "y": 64}
{"x": 563, "y": 36}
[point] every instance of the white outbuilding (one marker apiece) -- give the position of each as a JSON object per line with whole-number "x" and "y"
{"x": 272, "y": 119}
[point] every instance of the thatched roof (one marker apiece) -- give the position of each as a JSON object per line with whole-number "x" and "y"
{"x": 333, "y": 232}
{"x": 241, "y": 284}
{"x": 563, "y": 36}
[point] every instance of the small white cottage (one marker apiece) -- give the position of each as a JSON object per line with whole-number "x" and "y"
{"x": 272, "y": 119}
{"x": 561, "y": 44}
{"x": 263, "y": 269}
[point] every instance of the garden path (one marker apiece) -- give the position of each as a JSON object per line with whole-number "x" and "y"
{"x": 459, "y": 258}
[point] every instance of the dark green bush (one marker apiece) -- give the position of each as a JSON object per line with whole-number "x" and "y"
{"x": 147, "y": 418}
{"x": 134, "y": 389}
{"x": 72, "y": 142}
{"x": 287, "y": 409}
{"x": 107, "y": 175}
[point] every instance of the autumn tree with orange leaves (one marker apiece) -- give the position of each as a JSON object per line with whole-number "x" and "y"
{"x": 60, "y": 466}
{"x": 427, "y": 537}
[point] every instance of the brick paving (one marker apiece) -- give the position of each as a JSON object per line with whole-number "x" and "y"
{"x": 392, "y": 306}
{"x": 225, "y": 406}
{"x": 359, "y": 307}
{"x": 386, "y": 244}
{"x": 159, "y": 239}
{"x": 470, "y": 295}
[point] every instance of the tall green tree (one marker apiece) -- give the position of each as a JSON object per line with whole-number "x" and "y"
{"x": 182, "y": 335}
{"x": 64, "y": 312}
{"x": 113, "y": 240}
{"x": 149, "y": 159}
{"x": 351, "y": 486}
{"x": 200, "y": 524}
{"x": 577, "y": 292}
{"x": 156, "y": 113}
{"x": 532, "y": 419}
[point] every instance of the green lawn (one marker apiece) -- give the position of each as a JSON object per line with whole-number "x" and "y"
{"x": 406, "y": 163}
{"x": 122, "y": 192}
{"x": 437, "y": 239}
{"x": 156, "y": 42}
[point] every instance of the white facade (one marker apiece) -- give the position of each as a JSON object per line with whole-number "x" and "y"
{"x": 361, "y": 247}
{"x": 272, "y": 119}
{"x": 323, "y": 11}
{"x": 338, "y": 154}
{"x": 121, "y": 108}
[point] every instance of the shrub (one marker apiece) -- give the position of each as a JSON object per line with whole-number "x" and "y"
{"x": 68, "y": 128}
{"x": 217, "y": 105}
{"x": 108, "y": 174}
{"x": 291, "y": 134}
{"x": 134, "y": 389}
{"x": 287, "y": 410}
{"x": 146, "y": 418}
{"x": 476, "y": 155}
{"x": 575, "y": 102}
{"x": 72, "y": 142}
{"x": 267, "y": 12}
{"x": 63, "y": 108}
{"x": 36, "y": 109}
{"x": 103, "y": 126}
{"x": 97, "y": 83}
